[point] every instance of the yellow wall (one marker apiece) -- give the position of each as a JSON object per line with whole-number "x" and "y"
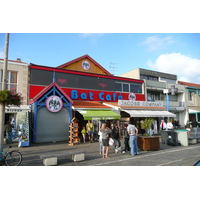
{"x": 77, "y": 66}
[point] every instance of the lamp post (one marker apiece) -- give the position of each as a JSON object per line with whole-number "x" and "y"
{"x": 2, "y": 106}
{"x": 173, "y": 91}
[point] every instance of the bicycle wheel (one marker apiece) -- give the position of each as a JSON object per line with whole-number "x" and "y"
{"x": 13, "y": 158}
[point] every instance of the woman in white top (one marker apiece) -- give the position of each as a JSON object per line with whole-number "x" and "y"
{"x": 169, "y": 125}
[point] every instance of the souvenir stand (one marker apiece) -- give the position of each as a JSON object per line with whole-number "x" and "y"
{"x": 73, "y": 137}
{"x": 24, "y": 133}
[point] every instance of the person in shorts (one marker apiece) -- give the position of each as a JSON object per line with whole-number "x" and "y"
{"x": 90, "y": 130}
{"x": 105, "y": 140}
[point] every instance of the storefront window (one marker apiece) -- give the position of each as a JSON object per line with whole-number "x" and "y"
{"x": 125, "y": 87}
{"x": 118, "y": 87}
{"x": 136, "y": 88}
{"x": 198, "y": 117}
{"x": 192, "y": 116}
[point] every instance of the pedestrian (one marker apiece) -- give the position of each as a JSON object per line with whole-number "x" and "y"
{"x": 195, "y": 127}
{"x": 116, "y": 138}
{"x": 133, "y": 133}
{"x": 169, "y": 125}
{"x": 100, "y": 142}
{"x": 126, "y": 139}
{"x": 90, "y": 130}
{"x": 105, "y": 140}
{"x": 8, "y": 129}
{"x": 83, "y": 131}
{"x": 163, "y": 125}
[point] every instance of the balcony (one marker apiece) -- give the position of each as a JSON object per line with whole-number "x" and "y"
{"x": 175, "y": 105}
{"x": 155, "y": 85}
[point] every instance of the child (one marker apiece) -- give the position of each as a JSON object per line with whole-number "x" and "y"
{"x": 84, "y": 133}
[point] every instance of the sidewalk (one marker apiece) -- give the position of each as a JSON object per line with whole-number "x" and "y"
{"x": 92, "y": 156}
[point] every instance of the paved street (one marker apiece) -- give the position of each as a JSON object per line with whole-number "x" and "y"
{"x": 166, "y": 156}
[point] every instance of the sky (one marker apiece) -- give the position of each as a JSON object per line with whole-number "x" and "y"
{"x": 174, "y": 53}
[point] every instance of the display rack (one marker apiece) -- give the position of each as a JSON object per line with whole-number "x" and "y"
{"x": 73, "y": 137}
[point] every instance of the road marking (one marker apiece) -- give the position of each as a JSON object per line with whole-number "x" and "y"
{"x": 142, "y": 156}
{"x": 169, "y": 162}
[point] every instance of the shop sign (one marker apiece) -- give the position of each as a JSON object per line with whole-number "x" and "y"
{"x": 102, "y": 96}
{"x": 17, "y": 109}
{"x": 54, "y": 103}
{"x": 85, "y": 65}
{"x": 139, "y": 103}
{"x": 13, "y": 110}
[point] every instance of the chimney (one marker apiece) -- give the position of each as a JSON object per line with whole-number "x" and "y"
{"x": 18, "y": 59}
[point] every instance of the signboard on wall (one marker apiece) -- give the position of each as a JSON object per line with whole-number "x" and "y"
{"x": 139, "y": 103}
{"x": 90, "y": 95}
{"x": 54, "y": 104}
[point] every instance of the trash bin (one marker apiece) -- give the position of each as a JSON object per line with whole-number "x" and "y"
{"x": 164, "y": 137}
{"x": 172, "y": 138}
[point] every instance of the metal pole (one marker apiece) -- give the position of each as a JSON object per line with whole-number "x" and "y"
{"x": 2, "y": 106}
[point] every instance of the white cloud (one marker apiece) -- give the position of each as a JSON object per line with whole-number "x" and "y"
{"x": 185, "y": 67}
{"x": 156, "y": 43}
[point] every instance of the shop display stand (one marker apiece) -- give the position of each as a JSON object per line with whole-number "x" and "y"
{"x": 73, "y": 137}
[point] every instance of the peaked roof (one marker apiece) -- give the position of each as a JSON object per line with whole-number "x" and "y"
{"x": 82, "y": 57}
{"x": 189, "y": 84}
{"x": 40, "y": 94}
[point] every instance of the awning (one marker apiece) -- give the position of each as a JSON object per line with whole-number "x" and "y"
{"x": 99, "y": 114}
{"x": 149, "y": 113}
{"x": 194, "y": 109}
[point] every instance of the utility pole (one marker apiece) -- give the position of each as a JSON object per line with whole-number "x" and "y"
{"x": 2, "y": 106}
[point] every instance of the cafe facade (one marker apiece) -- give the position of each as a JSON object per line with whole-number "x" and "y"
{"x": 83, "y": 89}
{"x": 75, "y": 89}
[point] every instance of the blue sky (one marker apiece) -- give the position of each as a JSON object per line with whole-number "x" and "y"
{"x": 158, "y": 35}
{"x": 177, "y": 53}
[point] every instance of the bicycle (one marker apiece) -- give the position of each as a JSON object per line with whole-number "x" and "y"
{"x": 11, "y": 158}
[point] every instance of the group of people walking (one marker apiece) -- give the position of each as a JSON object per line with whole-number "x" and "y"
{"x": 130, "y": 139}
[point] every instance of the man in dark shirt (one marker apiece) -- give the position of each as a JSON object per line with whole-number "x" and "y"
{"x": 195, "y": 127}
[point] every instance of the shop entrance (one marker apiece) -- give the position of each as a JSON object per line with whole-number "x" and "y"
{"x": 52, "y": 126}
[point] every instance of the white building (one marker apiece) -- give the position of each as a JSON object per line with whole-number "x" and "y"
{"x": 156, "y": 83}
{"x": 17, "y": 81}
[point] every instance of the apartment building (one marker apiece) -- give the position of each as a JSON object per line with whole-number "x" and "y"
{"x": 17, "y": 81}
{"x": 163, "y": 87}
{"x": 192, "y": 100}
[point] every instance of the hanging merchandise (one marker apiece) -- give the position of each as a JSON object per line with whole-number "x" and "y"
{"x": 24, "y": 133}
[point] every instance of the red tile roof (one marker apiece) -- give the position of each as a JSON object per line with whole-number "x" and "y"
{"x": 193, "y": 107}
{"x": 17, "y": 61}
{"x": 82, "y": 57}
{"x": 89, "y": 104}
{"x": 189, "y": 84}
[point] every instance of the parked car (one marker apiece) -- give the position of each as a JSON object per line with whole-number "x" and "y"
{"x": 197, "y": 163}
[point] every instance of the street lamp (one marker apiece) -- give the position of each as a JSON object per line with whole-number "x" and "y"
{"x": 173, "y": 91}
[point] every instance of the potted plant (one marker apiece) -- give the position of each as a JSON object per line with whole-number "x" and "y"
{"x": 146, "y": 124}
{"x": 9, "y": 98}
{"x": 148, "y": 142}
